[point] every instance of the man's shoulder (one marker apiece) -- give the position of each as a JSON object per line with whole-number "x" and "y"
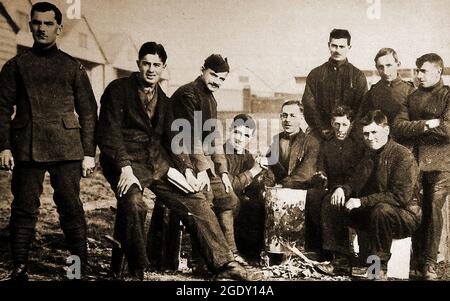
{"x": 317, "y": 70}
{"x": 400, "y": 151}
{"x": 71, "y": 60}
{"x": 356, "y": 70}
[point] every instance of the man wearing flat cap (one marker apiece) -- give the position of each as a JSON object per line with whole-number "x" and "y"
{"x": 206, "y": 166}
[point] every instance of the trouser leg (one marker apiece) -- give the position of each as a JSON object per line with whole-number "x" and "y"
{"x": 313, "y": 227}
{"x": 205, "y": 226}
{"x": 129, "y": 229}
{"x": 65, "y": 180}
{"x": 436, "y": 186}
{"x": 383, "y": 223}
{"x": 26, "y": 186}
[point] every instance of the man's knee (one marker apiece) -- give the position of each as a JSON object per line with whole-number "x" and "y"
{"x": 381, "y": 211}
{"x": 132, "y": 201}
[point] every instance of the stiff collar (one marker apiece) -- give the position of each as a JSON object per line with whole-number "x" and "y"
{"x": 395, "y": 82}
{"x": 337, "y": 64}
{"x": 37, "y": 49}
{"x": 436, "y": 87}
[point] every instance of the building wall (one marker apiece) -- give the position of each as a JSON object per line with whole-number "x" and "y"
{"x": 8, "y": 47}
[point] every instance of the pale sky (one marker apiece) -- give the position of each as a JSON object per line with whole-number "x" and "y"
{"x": 275, "y": 39}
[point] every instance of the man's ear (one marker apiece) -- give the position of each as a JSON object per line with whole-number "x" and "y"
{"x": 59, "y": 30}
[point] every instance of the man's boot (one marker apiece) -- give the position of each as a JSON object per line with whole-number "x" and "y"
{"x": 19, "y": 273}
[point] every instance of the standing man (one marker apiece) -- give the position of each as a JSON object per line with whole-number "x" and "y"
{"x": 53, "y": 131}
{"x": 134, "y": 138}
{"x": 389, "y": 94}
{"x": 425, "y": 122}
{"x": 335, "y": 83}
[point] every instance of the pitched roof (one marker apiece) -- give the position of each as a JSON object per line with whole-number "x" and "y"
{"x": 8, "y": 18}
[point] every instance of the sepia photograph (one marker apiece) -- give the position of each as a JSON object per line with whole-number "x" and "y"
{"x": 205, "y": 141}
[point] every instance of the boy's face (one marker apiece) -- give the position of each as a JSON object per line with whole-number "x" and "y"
{"x": 240, "y": 137}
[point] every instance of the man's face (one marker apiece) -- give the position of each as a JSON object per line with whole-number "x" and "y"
{"x": 387, "y": 67}
{"x": 428, "y": 74}
{"x": 240, "y": 137}
{"x": 341, "y": 126}
{"x": 339, "y": 49}
{"x": 150, "y": 67}
{"x": 212, "y": 79}
{"x": 375, "y": 136}
{"x": 44, "y": 28}
{"x": 291, "y": 118}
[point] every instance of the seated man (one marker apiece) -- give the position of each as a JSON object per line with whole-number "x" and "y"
{"x": 293, "y": 162}
{"x": 243, "y": 169}
{"x": 338, "y": 158}
{"x": 381, "y": 196}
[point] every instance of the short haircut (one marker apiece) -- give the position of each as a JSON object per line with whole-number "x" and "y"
{"x": 292, "y": 102}
{"x": 245, "y": 120}
{"x": 43, "y": 7}
{"x": 153, "y": 48}
{"x": 431, "y": 58}
{"x": 376, "y": 116}
{"x": 386, "y": 51}
{"x": 341, "y": 34}
{"x": 341, "y": 111}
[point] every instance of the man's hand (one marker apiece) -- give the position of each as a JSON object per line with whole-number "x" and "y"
{"x": 127, "y": 179}
{"x": 226, "y": 182}
{"x": 432, "y": 123}
{"x": 353, "y": 204}
{"x": 6, "y": 160}
{"x": 338, "y": 197}
{"x": 192, "y": 180}
{"x": 203, "y": 178}
{"x": 88, "y": 166}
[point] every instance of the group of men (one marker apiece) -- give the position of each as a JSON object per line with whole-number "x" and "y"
{"x": 373, "y": 188}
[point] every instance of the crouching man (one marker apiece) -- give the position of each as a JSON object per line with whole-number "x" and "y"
{"x": 381, "y": 196}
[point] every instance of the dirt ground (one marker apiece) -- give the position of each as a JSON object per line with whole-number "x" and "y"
{"x": 48, "y": 255}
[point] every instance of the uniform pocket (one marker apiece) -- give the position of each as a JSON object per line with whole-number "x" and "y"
{"x": 71, "y": 122}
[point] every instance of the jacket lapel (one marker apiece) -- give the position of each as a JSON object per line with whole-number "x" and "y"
{"x": 296, "y": 153}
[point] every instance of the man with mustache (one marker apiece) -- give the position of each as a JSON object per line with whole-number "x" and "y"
{"x": 425, "y": 122}
{"x": 335, "y": 83}
{"x": 206, "y": 163}
{"x": 52, "y": 131}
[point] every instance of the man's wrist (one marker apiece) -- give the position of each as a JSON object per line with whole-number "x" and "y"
{"x": 126, "y": 169}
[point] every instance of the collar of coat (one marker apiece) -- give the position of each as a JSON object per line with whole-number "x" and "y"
{"x": 37, "y": 49}
{"x": 434, "y": 88}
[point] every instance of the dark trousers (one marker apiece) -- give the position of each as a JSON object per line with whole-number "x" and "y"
{"x": 436, "y": 187}
{"x": 27, "y": 186}
{"x": 381, "y": 223}
{"x": 313, "y": 221}
{"x": 193, "y": 209}
{"x": 225, "y": 206}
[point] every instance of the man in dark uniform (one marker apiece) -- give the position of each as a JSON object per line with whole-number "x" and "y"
{"x": 135, "y": 142}
{"x": 292, "y": 163}
{"x": 425, "y": 122}
{"x": 388, "y": 94}
{"x": 382, "y": 194}
{"x": 195, "y": 103}
{"x": 48, "y": 87}
{"x": 338, "y": 158}
{"x": 335, "y": 83}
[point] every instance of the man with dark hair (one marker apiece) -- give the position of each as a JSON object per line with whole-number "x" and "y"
{"x": 206, "y": 164}
{"x": 335, "y": 83}
{"x": 425, "y": 123}
{"x": 293, "y": 155}
{"x": 135, "y": 143}
{"x": 338, "y": 158}
{"x": 382, "y": 194}
{"x": 389, "y": 94}
{"x": 52, "y": 131}
{"x": 243, "y": 169}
